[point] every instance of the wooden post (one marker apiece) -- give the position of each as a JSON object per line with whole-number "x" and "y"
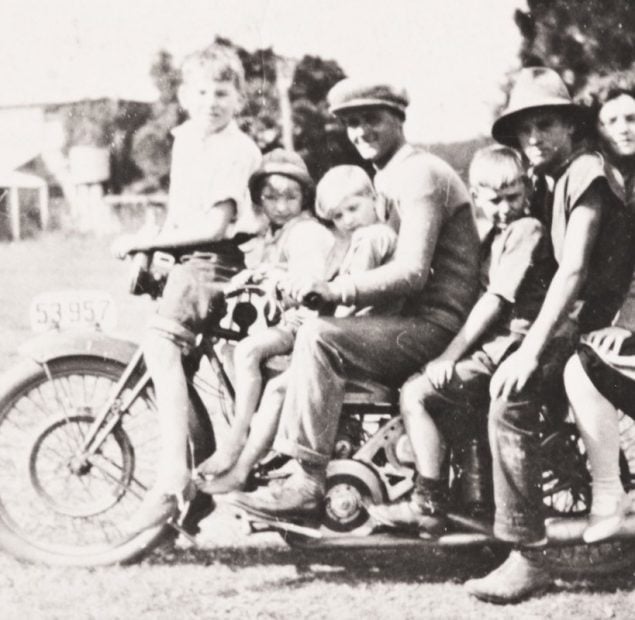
{"x": 14, "y": 212}
{"x": 285, "y": 68}
{"x": 44, "y": 206}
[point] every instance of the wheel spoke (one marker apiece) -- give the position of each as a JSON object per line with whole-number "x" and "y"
{"x": 58, "y": 503}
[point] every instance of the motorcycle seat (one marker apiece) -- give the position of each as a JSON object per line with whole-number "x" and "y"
{"x": 358, "y": 391}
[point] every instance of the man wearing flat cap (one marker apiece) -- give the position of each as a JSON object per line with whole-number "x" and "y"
{"x": 435, "y": 269}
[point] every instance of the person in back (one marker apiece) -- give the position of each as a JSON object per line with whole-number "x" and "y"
{"x": 576, "y": 195}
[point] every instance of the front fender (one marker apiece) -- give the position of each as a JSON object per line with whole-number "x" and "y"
{"x": 70, "y": 343}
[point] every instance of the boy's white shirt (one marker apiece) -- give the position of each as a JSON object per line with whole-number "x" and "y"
{"x": 207, "y": 169}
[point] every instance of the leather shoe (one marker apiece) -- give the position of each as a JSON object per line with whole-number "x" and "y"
{"x": 518, "y": 578}
{"x": 298, "y": 497}
{"x": 409, "y": 516}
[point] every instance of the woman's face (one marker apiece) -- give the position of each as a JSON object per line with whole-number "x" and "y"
{"x": 616, "y": 124}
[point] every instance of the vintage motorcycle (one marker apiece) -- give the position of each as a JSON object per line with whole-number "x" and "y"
{"x": 79, "y": 444}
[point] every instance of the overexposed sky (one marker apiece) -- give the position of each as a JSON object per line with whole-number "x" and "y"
{"x": 451, "y": 54}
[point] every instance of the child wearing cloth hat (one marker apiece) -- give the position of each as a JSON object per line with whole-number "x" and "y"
{"x": 295, "y": 244}
{"x": 448, "y": 401}
{"x": 591, "y": 233}
{"x": 345, "y": 197}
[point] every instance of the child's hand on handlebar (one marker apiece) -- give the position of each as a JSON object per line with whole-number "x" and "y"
{"x": 241, "y": 279}
{"x": 300, "y": 288}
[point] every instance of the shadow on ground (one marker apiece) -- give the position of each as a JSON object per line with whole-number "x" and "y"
{"x": 364, "y": 566}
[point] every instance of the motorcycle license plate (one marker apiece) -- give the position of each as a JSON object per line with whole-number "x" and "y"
{"x": 74, "y": 308}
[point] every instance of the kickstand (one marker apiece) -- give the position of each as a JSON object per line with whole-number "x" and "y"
{"x": 174, "y": 525}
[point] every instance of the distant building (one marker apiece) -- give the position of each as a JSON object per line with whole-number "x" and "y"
{"x": 77, "y": 148}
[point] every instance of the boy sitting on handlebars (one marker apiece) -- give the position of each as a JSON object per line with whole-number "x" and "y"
{"x": 212, "y": 161}
{"x": 449, "y": 399}
{"x": 345, "y": 197}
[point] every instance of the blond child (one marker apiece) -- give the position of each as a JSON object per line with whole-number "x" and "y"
{"x": 212, "y": 161}
{"x": 345, "y": 197}
{"x": 449, "y": 399}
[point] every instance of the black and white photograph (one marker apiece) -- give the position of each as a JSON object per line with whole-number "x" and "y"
{"x": 228, "y": 391}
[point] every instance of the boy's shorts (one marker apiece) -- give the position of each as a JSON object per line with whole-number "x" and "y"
{"x": 193, "y": 301}
{"x": 460, "y": 408}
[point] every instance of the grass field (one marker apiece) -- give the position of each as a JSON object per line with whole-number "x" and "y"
{"x": 229, "y": 575}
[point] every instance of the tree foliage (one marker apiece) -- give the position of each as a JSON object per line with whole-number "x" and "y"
{"x": 317, "y": 136}
{"x": 581, "y": 39}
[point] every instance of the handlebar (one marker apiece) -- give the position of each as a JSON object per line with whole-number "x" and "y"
{"x": 180, "y": 248}
{"x": 313, "y": 301}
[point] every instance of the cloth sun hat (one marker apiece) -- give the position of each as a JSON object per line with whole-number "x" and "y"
{"x": 535, "y": 87}
{"x": 285, "y": 163}
{"x": 349, "y": 94}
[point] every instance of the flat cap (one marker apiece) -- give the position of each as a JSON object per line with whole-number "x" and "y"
{"x": 350, "y": 93}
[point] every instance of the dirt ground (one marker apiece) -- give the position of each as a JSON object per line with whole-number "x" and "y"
{"x": 229, "y": 575}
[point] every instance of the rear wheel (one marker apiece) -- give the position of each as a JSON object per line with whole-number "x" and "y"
{"x": 56, "y": 506}
{"x": 567, "y": 492}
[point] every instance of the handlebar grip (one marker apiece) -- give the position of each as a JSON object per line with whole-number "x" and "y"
{"x": 313, "y": 301}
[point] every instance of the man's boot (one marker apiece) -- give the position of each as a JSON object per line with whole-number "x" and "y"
{"x": 424, "y": 512}
{"x": 298, "y": 497}
{"x": 522, "y": 575}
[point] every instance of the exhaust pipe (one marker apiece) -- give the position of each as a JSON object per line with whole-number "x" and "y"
{"x": 561, "y": 531}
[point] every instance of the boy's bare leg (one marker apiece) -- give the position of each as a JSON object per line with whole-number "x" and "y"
{"x": 430, "y": 415}
{"x": 248, "y": 358}
{"x": 163, "y": 359}
{"x": 428, "y": 445}
{"x": 262, "y": 432}
{"x": 164, "y": 362}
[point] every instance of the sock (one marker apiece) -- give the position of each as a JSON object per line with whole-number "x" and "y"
{"x": 430, "y": 493}
{"x": 607, "y": 493}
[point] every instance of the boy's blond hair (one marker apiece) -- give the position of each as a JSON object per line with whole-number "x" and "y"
{"x": 496, "y": 166}
{"x": 221, "y": 62}
{"x": 338, "y": 183}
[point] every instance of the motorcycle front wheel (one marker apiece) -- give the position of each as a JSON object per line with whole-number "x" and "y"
{"x": 56, "y": 506}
